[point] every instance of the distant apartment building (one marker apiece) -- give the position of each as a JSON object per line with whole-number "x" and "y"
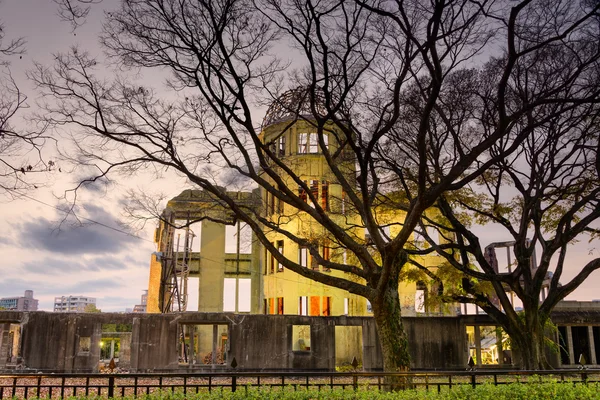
{"x": 141, "y": 308}
{"x": 24, "y": 303}
{"x": 72, "y": 303}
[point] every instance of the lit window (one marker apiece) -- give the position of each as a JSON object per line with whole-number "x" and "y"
{"x": 266, "y": 269}
{"x": 326, "y": 252}
{"x": 314, "y": 306}
{"x": 280, "y": 305}
{"x": 314, "y": 189}
{"x": 325, "y": 195}
{"x": 326, "y": 306}
{"x": 302, "y": 193}
{"x": 272, "y": 260}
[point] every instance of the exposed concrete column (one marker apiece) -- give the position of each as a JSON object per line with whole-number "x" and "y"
{"x": 214, "y": 344}
{"x": 477, "y": 344}
{"x": 135, "y": 344}
{"x": 499, "y": 346}
{"x": 570, "y": 345}
{"x": 112, "y": 348}
{"x": 592, "y": 346}
{"x": 191, "y": 331}
{"x": 4, "y": 343}
{"x": 125, "y": 350}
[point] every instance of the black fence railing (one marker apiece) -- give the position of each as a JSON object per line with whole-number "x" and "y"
{"x": 35, "y": 385}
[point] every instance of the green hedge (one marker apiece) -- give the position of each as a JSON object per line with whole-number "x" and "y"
{"x": 529, "y": 391}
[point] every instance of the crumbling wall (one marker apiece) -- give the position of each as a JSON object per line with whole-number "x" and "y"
{"x": 69, "y": 342}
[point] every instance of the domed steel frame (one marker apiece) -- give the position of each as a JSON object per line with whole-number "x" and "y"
{"x": 294, "y": 104}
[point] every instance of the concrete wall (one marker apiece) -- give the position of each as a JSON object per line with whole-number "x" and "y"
{"x": 53, "y": 341}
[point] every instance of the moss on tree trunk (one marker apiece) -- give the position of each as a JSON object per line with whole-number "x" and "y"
{"x": 394, "y": 343}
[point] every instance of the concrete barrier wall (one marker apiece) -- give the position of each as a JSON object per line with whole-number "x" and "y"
{"x": 69, "y": 342}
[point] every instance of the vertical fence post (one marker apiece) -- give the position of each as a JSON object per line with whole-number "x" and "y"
{"x": 234, "y": 364}
{"x": 111, "y": 387}
{"x": 473, "y": 381}
{"x": 355, "y": 377}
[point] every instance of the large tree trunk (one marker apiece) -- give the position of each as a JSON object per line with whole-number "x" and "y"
{"x": 394, "y": 343}
{"x": 529, "y": 342}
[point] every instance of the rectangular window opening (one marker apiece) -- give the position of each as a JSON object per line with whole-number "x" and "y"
{"x": 326, "y": 255}
{"x": 203, "y": 344}
{"x": 314, "y": 190}
{"x": 237, "y": 294}
{"x": 313, "y": 143}
{"x": 300, "y": 337}
{"x": 303, "y": 256}
{"x": 238, "y": 237}
{"x": 325, "y": 195}
{"x": 302, "y": 143}
{"x": 302, "y": 194}
{"x": 303, "y": 305}
{"x": 326, "y": 306}
{"x": 280, "y": 305}
{"x": 281, "y": 145}
{"x": 280, "y": 249}
{"x": 272, "y": 260}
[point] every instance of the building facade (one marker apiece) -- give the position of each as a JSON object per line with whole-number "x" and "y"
{"x": 72, "y": 303}
{"x": 246, "y": 277}
{"x": 23, "y": 303}
{"x": 236, "y": 273}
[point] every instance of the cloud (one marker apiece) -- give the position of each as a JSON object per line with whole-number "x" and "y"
{"x": 6, "y": 241}
{"x": 60, "y": 265}
{"x": 86, "y": 238}
{"x": 16, "y": 286}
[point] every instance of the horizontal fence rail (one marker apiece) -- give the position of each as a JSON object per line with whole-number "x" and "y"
{"x": 37, "y": 385}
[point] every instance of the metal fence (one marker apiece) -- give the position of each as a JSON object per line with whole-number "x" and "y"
{"x": 34, "y": 385}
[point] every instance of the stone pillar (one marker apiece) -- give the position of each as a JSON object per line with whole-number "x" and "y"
{"x": 125, "y": 350}
{"x": 592, "y": 359}
{"x": 478, "y": 344}
{"x": 570, "y": 345}
{"x": 5, "y": 344}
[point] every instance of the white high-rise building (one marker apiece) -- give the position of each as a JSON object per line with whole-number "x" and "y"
{"x": 72, "y": 303}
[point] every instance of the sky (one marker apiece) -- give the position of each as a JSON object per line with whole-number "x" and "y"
{"x": 54, "y": 254}
{"x": 44, "y": 249}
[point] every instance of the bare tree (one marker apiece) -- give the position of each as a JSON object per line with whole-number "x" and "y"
{"x": 74, "y": 12}
{"x": 542, "y": 191}
{"x": 545, "y": 196}
{"x": 20, "y": 154}
{"x": 380, "y": 78}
